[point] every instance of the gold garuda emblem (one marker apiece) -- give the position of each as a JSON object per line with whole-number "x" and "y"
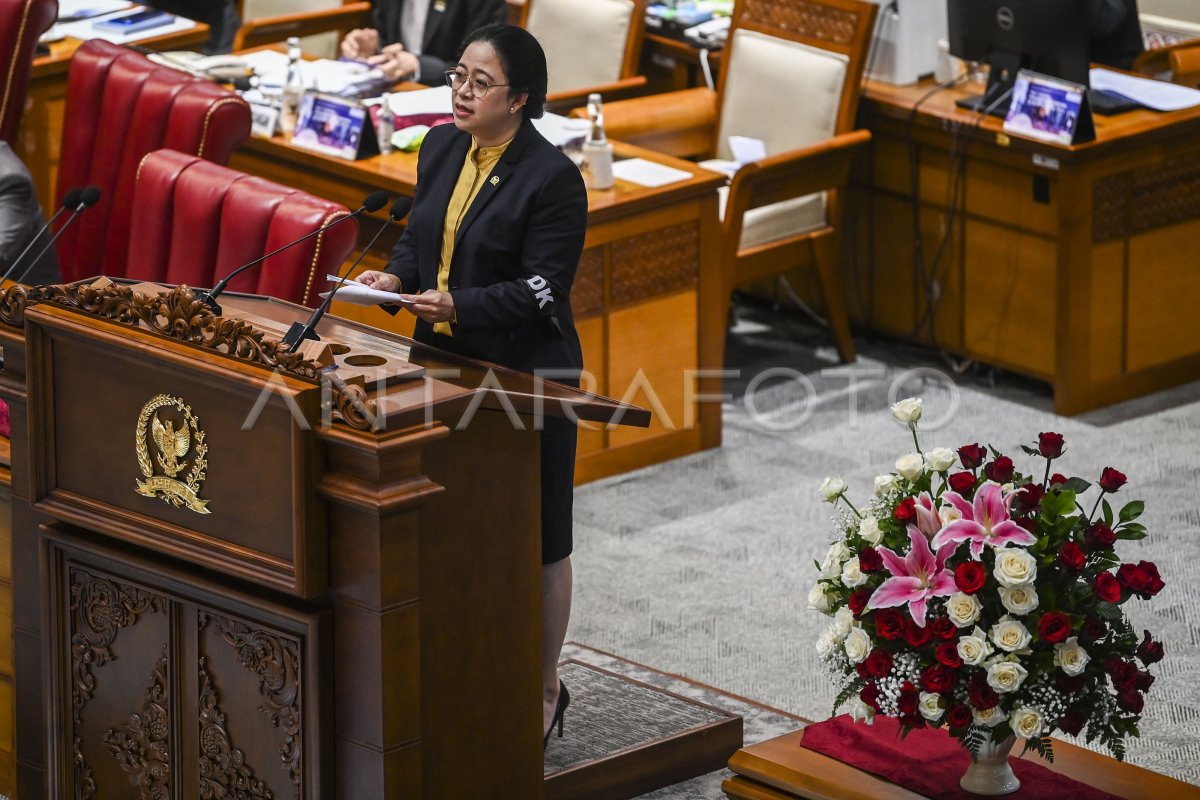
{"x": 163, "y": 445}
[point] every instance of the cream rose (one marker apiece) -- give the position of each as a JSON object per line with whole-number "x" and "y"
{"x": 831, "y": 567}
{"x": 1027, "y": 722}
{"x": 869, "y": 530}
{"x": 963, "y": 609}
{"x": 1070, "y": 656}
{"x": 852, "y": 574}
{"x": 1010, "y": 635}
{"x": 931, "y": 706}
{"x": 843, "y": 621}
{"x": 949, "y": 514}
{"x": 818, "y": 599}
{"x": 909, "y": 410}
{"x": 832, "y": 489}
{"x": 1014, "y": 566}
{"x": 1006, "y": 676}
{"x": 911, "y": 466}
{"x": 974, "y": 649}
{"x": 827, "y": 641}
{"x": 940, "y": 459}
{"x": 884, "y": 484}
{"x": 1019, "y": 599}
{"x": 989, "y": 718}
{"x": 858, "y": 645}
{"x": 861, "y": 712}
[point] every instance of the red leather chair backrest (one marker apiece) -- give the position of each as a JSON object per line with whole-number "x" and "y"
{"x": 21, "y": 23}
{"x": 121, "y": 106}
{"x": 198, "y": 221}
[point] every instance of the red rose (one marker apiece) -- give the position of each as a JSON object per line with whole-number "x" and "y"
{"x": 861, "y": 669}
{"x": 879, "y": 663}
{"x": 1124, "y": 674}
{"x": 980, "y": 694}
{"x": 943, "y": 628}
{"x": 913, "y": 720}
{"x": 972, "y": 455}
{"x": 1001, "y": 470}
{"x": 970, "y": 576}
{"x": 908, "y": 702}
{"x": 1054, "y": 627}
{"x": 1134, "y": 578}
{"x": 889, "y": 624}
{"x": 870, "y": 695}
{"x": 1050, "y": 445}
{"x": 959, "y": 717}
{"x": 906, "y": 511}
{"x": 1072, "y": 556}
{"x": 1107, "y": 588}
{"x": 1150, "y": 651}
{"x": 858, "y": 601}
{"x": 1143, "y": 680}
{"x": 1112, "y": 665}
{"x": 869, "y": 560}
{"x": 916, "y": 635}
{"x": 1028, "y": 523}
{"x": 937, "y": 679}
{"x": 1070, "y": 684}
{"x": 948, "y": 654}
{"x": 1071, "y": 722}
{"x": 1058, "y": 478}
{"x": 1099, "y": 536}
{"x": 1030, "y": 496}
{"x": 1094, "y": 629}
{"x": 1131, "y": 700}
{"x": 1111, "y": 480}
{"x": 962, "y": 482}
{"x": 1156, "y": 582}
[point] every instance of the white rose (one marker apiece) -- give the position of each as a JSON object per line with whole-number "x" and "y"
{"x": 843, "y": 621}
{"x": 861, "y": 712}
{"x": 949, "y": 514}
{"x": 852, "y": 574}
{"x": 1027, "y": 722}
{"x": 884, "y": 484}
{"x": 827, "y": 641}
{"x": 1006, "y": 676}
{"x": 858, "y": 645}
{"x": 1014, "y": 566}
{"x": 908, "y": 411}
{"x": 940, "y": 459}
{"x": 818, "y": 600}
{"x": 1070, "y": 656}
{"x": 911, "y": 466}
{"x": 832, "y": 489}
{"x": 931, "y": 706}
{"x": 963, "y": 609}
{"x": 869, "y": 530}
{"x": 974, "y": 649}
{"x": 831, "y": 567}
{"x": 1010, "y": 635}
{"x": 1019, "y": 599}
{"x": 989, "y": 718}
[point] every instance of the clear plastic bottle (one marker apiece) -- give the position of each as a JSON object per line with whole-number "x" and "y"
{"x": 387, "y": 125}
{"x": 293, "y": 89}
{"x": 597, "y": 150}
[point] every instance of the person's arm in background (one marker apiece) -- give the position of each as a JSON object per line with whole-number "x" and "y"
{"x": 16, "y": 195}
{"x": 479, "y": 13}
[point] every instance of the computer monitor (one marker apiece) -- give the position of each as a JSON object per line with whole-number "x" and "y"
{"x": 1047, "y": 36}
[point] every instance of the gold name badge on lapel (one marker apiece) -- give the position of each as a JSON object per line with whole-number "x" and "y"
{"x": 172, "y": 439}
{"x": 495, "y": 180}
{"x": 439, "y": 6}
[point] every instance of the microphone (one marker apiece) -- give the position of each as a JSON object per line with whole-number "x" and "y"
{"x": 298, "y": 333}
{"x": 371, "y": 203}
{"x": 70, "y": 201}
{"x": 88, "y": 197}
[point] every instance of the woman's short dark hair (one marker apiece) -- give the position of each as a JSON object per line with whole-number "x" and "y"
{"x": 523, "y": 61}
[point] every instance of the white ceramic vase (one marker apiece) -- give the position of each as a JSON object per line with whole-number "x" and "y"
{"x": 990, "y": 772}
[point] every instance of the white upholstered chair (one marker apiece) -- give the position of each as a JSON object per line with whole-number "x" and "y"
{"x": 790, "y": 77}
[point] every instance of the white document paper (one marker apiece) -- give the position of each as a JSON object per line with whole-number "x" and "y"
{"x": 558, "y": 130}
{"x": 85, "y": 29}
{"x": 1159, "y": 95}
{"x": 647, "y": 173}
{"x": 86, "y": 9}
{"x": 362, "y": 295}
{"x": 746, "y": 149}
{"x": 422, "y": 101}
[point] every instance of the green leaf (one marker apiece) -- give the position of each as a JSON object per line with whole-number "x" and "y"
{"x": 1108, "y": 515}
{"x": 1057, "y": 505}
{"x": 1132, "y": 510}
{"x": 1133, "y": 531}
{"x": 1077, "y": 485}
{"x": 1109, "y": 611}
{"x": 1032, "y": 451}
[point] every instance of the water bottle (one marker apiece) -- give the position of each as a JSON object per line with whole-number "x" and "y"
{"x": 597, "y": 150}
{"x": 387, "y": 125}
{"x": 293, "y": 89}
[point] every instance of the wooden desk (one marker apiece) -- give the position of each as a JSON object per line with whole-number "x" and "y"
{"x": 1071, "y": 264}
{"x": 647, "y": 298}
{"x": 780, "y": 769}
{"x": 40, "y": 135}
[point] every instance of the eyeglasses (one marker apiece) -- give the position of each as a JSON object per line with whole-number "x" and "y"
{"x": 479, "y": 87}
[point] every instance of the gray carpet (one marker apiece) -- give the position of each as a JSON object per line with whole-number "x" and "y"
{"x": 701, "y": 566}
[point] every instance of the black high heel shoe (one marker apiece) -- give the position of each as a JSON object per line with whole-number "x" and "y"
{"x": 560, "y": 709}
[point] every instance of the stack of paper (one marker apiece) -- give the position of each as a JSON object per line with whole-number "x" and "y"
{"x": 1159, "y": 95}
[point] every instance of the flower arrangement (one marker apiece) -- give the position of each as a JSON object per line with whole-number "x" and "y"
{"x": 985, "y": 601}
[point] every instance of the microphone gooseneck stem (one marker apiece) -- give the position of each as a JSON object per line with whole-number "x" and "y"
{"x": 32, "y": 242}
{"x": 50, "y": 243}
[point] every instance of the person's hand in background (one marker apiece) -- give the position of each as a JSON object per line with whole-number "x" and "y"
{"x": 361, "y": 44}
{"x": 395, "y": 62}
{"x": 383, "y": 281}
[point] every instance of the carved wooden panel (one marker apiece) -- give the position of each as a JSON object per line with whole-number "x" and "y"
{"x": 655, "y": 263}
{"x": 587, "y": 293}
{"x": 812, "y": 20}
{"x": 1142, "y": 200}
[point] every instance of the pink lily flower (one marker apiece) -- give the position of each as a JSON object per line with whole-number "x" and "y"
{"x": 915, "y": 578}
{"x": 985, "y": 522}
{"x": 929, "y": 521}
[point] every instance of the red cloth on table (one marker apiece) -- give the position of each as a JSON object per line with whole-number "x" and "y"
{"x": 928, "y": 761}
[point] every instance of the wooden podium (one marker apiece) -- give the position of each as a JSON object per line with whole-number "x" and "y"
{"x": 236, "y": 576}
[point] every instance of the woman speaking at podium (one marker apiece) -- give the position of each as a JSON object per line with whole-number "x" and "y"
{"x": 488, "y": 259}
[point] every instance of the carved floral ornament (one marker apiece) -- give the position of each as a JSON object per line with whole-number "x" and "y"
{"x": 178, "y": 315}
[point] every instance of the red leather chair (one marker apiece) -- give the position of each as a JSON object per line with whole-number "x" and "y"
{"x": 21, "y": 23}
{"x": 198, "y": 221}
{"x": 121, "y": 106}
